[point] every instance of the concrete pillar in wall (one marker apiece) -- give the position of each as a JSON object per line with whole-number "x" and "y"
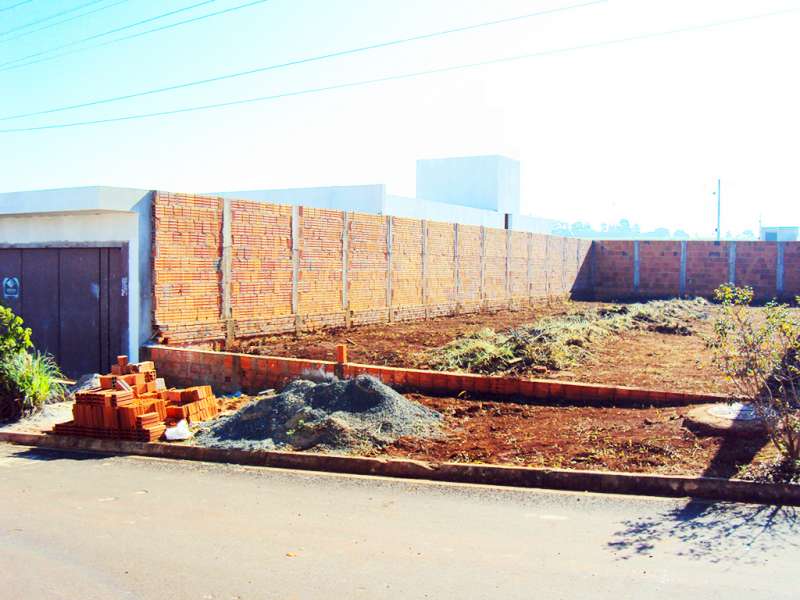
{"x": 682, "y": 284}
{"x": 529, "y": 269}
{"x": 779, "y": 269}
{"x": 226, "y": 279}
{"x": 547, "y": 268}
{"x": 389, "y": 275}
{"x": 508, "y": 267}
{"x": 296, "y": 215}
{"x": 636, "y": 267}
{"x": 483, "y": 266}
{"x": 732, "y": 263}
{"x": 346, "y": 221}
{"x": 456, "y": 269}
{"x": 424, "y": 268}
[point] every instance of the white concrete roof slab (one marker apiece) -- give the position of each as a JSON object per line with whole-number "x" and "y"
{"x": 96, "y": 199}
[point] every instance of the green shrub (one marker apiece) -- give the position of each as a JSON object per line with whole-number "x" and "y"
{"x": 28, "y": 381}
{"x": 13, "y": 336}
{"x": 759, "y": 355}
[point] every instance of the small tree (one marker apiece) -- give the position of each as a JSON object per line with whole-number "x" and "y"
{"x": 760, "y": 354}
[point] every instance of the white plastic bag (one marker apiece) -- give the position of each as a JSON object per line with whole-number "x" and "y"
{"x": 179, "y": 432}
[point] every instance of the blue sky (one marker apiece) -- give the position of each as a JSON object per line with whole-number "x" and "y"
{"x": 637, "y": 130}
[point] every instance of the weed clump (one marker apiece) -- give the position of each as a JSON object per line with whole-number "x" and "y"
{"x": 557, "y": 343}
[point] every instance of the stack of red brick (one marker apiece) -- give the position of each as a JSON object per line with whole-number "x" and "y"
{"x": 133, "y": 403}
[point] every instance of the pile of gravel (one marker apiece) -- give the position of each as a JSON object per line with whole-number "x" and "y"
{"x": 354, "y": 415}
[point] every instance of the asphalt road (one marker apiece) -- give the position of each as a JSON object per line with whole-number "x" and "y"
{"x": 82, "y": 527}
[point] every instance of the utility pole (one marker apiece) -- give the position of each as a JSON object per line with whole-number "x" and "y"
{"x": 717, "y": 193}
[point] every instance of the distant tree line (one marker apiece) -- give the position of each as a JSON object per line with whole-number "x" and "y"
{"x": 625, "y": 231}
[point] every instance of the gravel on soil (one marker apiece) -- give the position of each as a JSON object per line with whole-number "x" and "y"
{"x": 44, "y": 420}
{"x": 360, "y": 415}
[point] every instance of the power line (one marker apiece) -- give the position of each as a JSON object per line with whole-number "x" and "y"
{"x": 364, "y": 82}
{"x": 109, "y": 32}
{"x": 15, "y": 5}
{"x": 138, "y": 34}
{"x": 304, "y": 60}
{"x": 53, "y": 16}
{"x": 86, "y": 14}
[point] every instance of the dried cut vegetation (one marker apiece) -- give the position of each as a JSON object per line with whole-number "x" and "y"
{"x": 563, "y": 342}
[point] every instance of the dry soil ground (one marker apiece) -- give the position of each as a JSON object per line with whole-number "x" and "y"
{"x": 640, "y": 358}
{"x": 650, "y": 440}
{"x": 633, "y": 439}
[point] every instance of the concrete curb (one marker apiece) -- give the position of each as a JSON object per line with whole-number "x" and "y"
{"x": 559, "y": 479}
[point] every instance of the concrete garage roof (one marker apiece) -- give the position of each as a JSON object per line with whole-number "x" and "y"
{"x": 94, "y": 199}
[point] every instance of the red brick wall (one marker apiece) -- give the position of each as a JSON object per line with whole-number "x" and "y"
{"x": 262, "y": 265}
{"x": 440, "y": 271}
{"x": 613, "y": 268}
{"x": 707, "y": 266}
{"x": 188, "y": 250}
{"x": 539, "y": 285}
{"x": 755, "y": 267}
{"x": 494, "y": 277}
{"x": 661, "y": 275}
{"x": 319, "y": 291}
{"x": 366, "y": 273}
{"x": 518, "y": 264}
{"x": 407, "y": 269}
{"x": 187, "y": 244}
{"x": 188, "y": 268}
{"x": 469, "y": 254}
{"x": 791, "y": 269}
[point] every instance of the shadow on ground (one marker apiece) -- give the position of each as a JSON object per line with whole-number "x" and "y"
{"x": 714, "y": 532}
{"x": 48, "y": 455}
{"x": 732, "y": 454}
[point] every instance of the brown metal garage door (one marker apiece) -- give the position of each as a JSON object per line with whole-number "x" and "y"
{"x": 74, "y": 300}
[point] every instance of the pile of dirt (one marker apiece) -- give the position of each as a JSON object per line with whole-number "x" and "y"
{"x": 360, "y": 415}
{"x": 561, "y": 342}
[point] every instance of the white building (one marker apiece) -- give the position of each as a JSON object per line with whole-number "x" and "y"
{"x": 471, "y": 190}
{"x": 780, "y": 234}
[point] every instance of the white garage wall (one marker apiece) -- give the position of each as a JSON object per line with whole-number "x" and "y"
{"x": 49, "y": 217}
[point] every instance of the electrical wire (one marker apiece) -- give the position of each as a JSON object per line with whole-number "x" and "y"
{"x": 53, "y": 16}
{"x": 15, "y": 5}
{"x": 365, "y": 82}
{"x": 304, "y": 60}
{"x": 86, "y": 14}
{"x": 138, "y": 34}
{"x": 109, "y": 32}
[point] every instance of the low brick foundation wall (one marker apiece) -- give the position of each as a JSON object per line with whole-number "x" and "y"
{"x": 229, "y": 372}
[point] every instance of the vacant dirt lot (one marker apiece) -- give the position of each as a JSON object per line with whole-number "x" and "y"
{"x": 398, "y": 344}
{"x": 639, "y": 358}
{"x": 639, "y": 440}
{"x": 634, "y": 440}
